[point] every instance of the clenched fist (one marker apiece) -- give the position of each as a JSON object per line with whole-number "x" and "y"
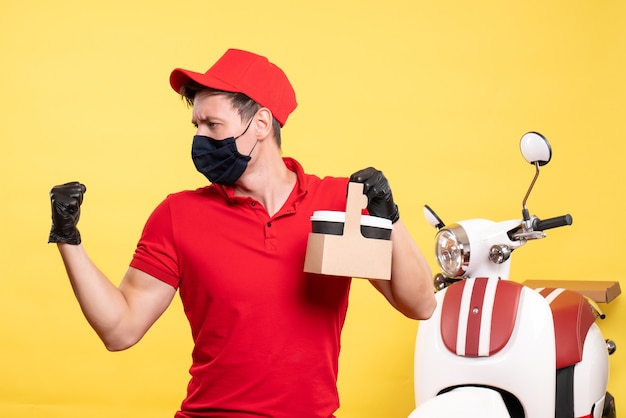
{"x": 66, "y": 200}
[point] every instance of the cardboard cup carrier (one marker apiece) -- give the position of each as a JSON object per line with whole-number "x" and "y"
{"x": 350, "y": 244}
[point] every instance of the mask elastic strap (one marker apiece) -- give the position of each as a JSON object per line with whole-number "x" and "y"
{"x": 250, "y": 153}
{"x": 247, "y": 127}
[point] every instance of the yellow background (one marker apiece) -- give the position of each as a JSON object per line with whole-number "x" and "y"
{"x": 434, "y": 93}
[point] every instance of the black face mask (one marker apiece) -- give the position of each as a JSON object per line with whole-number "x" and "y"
{"x": 219, "y": 161}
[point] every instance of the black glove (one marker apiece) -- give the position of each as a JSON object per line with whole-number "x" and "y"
{"x": 66, "y": 200}
{"x": 379, "y": 197}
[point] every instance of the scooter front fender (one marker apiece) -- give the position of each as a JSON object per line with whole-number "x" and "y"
{"x": 466, "y": 402}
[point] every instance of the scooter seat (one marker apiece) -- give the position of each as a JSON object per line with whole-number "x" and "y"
{"x": 572, "y": 317}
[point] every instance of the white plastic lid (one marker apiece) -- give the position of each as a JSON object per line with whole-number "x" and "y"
{"x": 335, "y": 216}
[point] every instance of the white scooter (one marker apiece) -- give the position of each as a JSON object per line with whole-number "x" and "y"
{"x": 496, "y": 348}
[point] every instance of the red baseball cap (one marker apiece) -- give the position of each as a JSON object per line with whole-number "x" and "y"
{"x": 240, "y": 71}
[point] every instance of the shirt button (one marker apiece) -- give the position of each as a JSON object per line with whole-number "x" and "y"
{"x": 269, "y": 224}
{"x": 253, "y": 203}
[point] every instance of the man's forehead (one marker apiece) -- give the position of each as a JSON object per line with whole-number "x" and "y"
{"x": 215, "y": 105}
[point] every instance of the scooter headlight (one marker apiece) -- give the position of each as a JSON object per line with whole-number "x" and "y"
{"x": 453, "y": 250}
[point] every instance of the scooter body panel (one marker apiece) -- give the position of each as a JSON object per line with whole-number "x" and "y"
{"x": 591, "y": 375}
{"x": 525, "y": 367}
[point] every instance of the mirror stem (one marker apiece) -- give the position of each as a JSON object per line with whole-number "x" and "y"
{"x": 525, "y": 213}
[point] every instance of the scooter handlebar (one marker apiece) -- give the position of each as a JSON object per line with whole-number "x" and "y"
{"x": 556, "y": 222}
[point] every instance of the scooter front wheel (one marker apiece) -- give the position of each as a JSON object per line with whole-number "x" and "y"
{"x": 466, "y": 402}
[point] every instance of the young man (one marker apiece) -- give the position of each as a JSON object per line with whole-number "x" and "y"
{"x": 266, "y": 334}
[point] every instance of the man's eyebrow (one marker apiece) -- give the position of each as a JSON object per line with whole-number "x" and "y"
{"x": 214, "y": 119}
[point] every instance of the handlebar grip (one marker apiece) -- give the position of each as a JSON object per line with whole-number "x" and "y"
{"x": 553, "y": 222}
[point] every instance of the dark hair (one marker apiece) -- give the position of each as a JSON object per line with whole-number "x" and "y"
{"x": 245, "y": 106}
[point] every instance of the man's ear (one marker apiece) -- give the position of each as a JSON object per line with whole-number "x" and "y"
{"x": 263, "y": 124}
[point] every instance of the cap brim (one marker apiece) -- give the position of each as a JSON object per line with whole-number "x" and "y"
{"x": 180, "y": 77}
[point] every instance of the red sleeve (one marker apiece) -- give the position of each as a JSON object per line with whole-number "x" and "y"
{"x": 156, "y": 251}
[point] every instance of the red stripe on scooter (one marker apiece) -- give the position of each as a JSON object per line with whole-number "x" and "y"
{"x": 505, "y": 307}
{"x": 450, "y": 310}
{"x": 474, "y": 317}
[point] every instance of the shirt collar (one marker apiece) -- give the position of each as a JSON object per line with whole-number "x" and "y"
{"x": 300, "y": 189}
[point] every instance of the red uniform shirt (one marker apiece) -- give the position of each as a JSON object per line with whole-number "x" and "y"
{"x": 266, "y": 334}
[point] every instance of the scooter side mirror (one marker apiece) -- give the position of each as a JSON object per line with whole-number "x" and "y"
{"x": 537, "y": 151}
{"x": 535, "y": 148}
{"x": 432, "y": 218}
